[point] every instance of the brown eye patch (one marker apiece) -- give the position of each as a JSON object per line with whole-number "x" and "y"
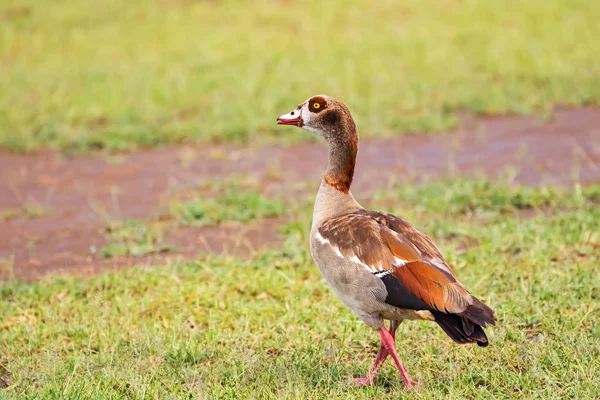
{"x": 317, "y": 104}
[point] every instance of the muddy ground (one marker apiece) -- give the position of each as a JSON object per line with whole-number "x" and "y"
{"x": 77, "y": 197}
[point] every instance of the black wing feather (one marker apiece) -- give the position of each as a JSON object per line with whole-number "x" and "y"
{"x": 399, "y": 296}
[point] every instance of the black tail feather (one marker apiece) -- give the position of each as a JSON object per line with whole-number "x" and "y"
{"x": 479, "y": 313}
{"x": 467, "y": 327}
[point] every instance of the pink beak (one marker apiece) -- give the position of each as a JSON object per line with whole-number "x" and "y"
{"x": 291, "y": 118}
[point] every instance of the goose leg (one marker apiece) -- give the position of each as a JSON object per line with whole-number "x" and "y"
{"x": 387, "y": 341}
{"x": 381, "y": 356}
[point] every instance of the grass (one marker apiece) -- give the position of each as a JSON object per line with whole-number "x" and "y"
{"x": 481, "y": 197}
{"x": 216, "y": 202}
{"x": 134, "y": 238}
{"x": 233, "y": 203}
{"x": 130, "y": 74}
{"x": 27, "y": 211}
{"x": 222, "y": 327}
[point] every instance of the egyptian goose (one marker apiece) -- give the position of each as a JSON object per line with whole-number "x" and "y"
{"x": 381, "y": 266}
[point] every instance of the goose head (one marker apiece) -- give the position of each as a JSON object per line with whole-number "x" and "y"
{"x": 323, "y": 115}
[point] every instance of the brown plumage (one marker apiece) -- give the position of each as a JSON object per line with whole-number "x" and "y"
{"x": 380, "y": 265}
{"x": 377, "y": 239}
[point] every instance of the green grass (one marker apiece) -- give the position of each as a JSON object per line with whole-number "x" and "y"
{"x": 482, "y": 198}
{"x": 216, "y": 202}
{"x": 233, "y": 203}
{"x": 223, "y": 328}
{"x": 134, "y": 238}
{"x": 26, "y": 211}
{"x": 129, "y": 74}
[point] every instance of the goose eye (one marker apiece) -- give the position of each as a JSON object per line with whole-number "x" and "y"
{"x": 316, "y": 106}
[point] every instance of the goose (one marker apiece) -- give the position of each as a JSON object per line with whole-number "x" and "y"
{"x": 380, "y": 265}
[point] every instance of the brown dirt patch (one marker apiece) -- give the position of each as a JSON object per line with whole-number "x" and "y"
{"x": 83, "y": 194}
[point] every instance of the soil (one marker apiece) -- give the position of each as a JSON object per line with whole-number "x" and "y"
{"x": 81, "y": 195}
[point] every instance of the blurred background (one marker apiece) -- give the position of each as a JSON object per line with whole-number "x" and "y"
{"x": 123, "y": 75}
{"x": 154, "y": 219}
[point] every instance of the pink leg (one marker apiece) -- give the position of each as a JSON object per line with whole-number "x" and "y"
{"x": 381, "y": 356}
{"x": 372, "y": 374}
{"x": 387, "y": 341}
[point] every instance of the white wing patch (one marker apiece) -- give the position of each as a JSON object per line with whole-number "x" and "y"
{"x": 382, "y": 274}
{"x": 354, "y": 258}
{"x": 322, "y": 240}
{"x": 367, "y": 267}
{"x": 398, "y": 262}
{"x": 337, "y": 251}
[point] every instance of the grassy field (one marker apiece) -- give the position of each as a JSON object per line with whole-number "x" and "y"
{"x": 81, "y": 77}
{"x": 223, "y": 327}
{"x": 232, "y": 203}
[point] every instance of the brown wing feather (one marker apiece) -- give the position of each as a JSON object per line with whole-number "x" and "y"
{"x": 400, "y": 247}
{"x": 426, "y": 274}
{"x": 414, "y": 260}
{"x": 434, "y": 287}
{"x": 419, "y": 277}
{"x": 403, "y": 229}
{"x": 357, "y": 235}
{"x": 433, "y": 281}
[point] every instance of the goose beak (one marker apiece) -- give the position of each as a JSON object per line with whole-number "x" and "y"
{"x": 292, "y": 118}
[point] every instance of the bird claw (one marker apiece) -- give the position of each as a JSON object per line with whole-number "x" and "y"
{"x": 409, "y": 384}
{"x": 361, "y": 382}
